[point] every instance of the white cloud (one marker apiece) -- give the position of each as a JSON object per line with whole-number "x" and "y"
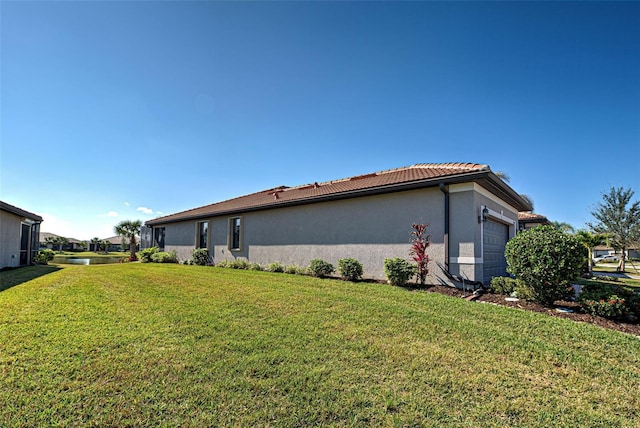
{"x": 126, "y": 204}
{"x": 145, "y": 210}
{"x": 112, "y": 214}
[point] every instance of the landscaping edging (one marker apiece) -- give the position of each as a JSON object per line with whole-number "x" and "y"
{"x": 576, "y": 315}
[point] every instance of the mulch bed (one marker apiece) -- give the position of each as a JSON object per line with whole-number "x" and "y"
{"x": 531, "y": 306}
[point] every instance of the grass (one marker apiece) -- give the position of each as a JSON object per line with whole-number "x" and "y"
{"x": 169, "y": 345}
{"x": 632, "y": 267}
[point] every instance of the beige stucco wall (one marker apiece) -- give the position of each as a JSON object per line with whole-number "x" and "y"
{"x": 467, "y": 202}
{"x": 369, "y": 229}
{"x": 9, "y": 239}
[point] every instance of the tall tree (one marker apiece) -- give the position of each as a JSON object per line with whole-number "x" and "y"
{"x": 591, "y": 240}
{"x": 620, "y": 222}
{"x": 129, "y": 229}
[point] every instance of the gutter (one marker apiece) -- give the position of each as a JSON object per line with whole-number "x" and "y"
{"x": 391, "y": 188}
{"x": 445, "y": 190}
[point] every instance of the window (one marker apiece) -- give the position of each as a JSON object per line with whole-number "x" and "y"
{"x": 234, "y": 233}
{"x": 203, "y": 234}
{"x": 158, "y": 238}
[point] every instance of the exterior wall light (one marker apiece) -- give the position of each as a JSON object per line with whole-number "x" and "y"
{"x": 485, "y": 214}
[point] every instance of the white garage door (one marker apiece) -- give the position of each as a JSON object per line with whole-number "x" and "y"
{"x": 495, "y": 239}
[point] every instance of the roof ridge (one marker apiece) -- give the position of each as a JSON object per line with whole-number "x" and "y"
{"x": 448, "y": 165}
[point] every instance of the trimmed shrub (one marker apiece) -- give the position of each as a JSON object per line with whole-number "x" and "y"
{"x": 223, "y": 264}
{"x": 200, "y": 257}
{"x": 319, "y": 268}
{"x": 44, "y": 256}
{"x": 503, "y": 285}
{"x": 256, "y": 266}
{"x": 350, "y": 269}
{"x": 164, "y": 257}
{"x": 546, "y": 259}
{"x": 146, "y": 254}
{"x": 276, "y": 267}
{"x": 398, "y": 271}
{"x": 242, "y": 264}
{"x": 292, "y": 269}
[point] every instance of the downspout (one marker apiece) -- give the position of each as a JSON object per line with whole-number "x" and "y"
{"x": 444, "y": 190}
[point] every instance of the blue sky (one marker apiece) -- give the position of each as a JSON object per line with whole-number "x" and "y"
{"x": 130, "y": 110}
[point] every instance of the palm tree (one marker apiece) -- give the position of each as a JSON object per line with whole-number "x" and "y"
{"x": 95, "y": 242}
{"x": 591, "y": 240}
{"x": 563, "y": 227}
{"x": 129, "y": 229}
{"x": 505, "y": 177}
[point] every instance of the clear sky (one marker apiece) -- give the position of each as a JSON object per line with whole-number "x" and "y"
{"x": 128, "y": 110}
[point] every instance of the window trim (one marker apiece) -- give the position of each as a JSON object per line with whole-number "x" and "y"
{"x": 199, "y": 234}
{"x": 231, "y": 233}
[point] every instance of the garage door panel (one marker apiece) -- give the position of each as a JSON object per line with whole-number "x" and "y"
{"x": 495, "y": 239}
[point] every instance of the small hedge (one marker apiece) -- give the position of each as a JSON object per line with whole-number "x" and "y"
{"x": 200, "y": 257}
{"x": 398, "y": 271}
{"x": 275, "y": 267}
{"x": 350, "y": 269}
{"x": 146, "y": 254}
{"x": 44, "y": 256}
{"x": 512, "y": 287}
{"x": 164, "y": 257}
{"x": 320, "y": 268}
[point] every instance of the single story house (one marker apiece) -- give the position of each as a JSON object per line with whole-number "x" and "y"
{"x": 71, "y": 245}
{"x": 528, "y": 220}
{"x": 471, "y": 212}
{"x": 604, "y": 250}
{"x": 119, "y": 243}
{"x": 19, "y": 231}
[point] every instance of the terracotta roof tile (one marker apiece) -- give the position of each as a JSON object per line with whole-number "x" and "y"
{"x": 528, "y": 216}
{"x": 309, "y": 192}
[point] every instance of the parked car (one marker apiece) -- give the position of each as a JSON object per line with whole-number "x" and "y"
{"x": 606, "y": 258}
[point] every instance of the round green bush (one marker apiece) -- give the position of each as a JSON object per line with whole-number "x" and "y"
{"x": 200, "y": 257}
{"x": 146, "y": 254}
{"x": 398, "y": 271}
{"x": 320, "y": 268}
{"x": 350, "y": 269}
{"x": 44, "y": 256}
{"x": 546, "y": 259}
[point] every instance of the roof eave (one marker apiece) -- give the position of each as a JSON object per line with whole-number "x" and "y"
{"x": 391, "y": 188}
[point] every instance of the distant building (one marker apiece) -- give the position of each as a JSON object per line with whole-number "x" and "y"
{"x": 72, "y": 244}
{"x": 19, "y": 231}
{"x": 527, "y": 220}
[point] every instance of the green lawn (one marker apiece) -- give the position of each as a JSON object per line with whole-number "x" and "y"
{"x": 170, "y": 345}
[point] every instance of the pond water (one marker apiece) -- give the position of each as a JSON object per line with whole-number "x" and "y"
{"x": 86, "y": 260}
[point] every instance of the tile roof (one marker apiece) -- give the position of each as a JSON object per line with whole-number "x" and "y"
{"x": 531, "y": 217}
{"x": 283, "y": 195}
{"x": 44, "y": 235}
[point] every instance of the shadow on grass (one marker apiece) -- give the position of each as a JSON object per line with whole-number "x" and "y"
{"x": 11, "y": 277}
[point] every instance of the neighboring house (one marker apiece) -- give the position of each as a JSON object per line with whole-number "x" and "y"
{"x": 71, "y": 245}
{"x": 119, "y": 243}
{"x": 527, "y": 220}
{"x": 18, "y": 236}
{"x": 603, "y": 250}
{"x": 471, "y": 215}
